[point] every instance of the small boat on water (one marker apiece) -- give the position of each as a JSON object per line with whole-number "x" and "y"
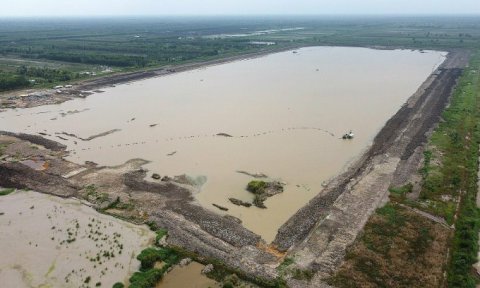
{"x": 348, "y": 135}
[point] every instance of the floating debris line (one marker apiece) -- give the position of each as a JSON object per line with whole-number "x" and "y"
{"x": 170, "y": 139}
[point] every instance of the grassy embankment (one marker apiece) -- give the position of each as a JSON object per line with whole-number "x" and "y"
{"x": 401, "y": 248}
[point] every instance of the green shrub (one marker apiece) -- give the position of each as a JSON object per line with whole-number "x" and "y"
{"x": 160, "y": 234}
{"x": 402, "y": 190}
{"x": 150, "y": 255}
{"x": 7, "y": 191}
{"x": 147, "y": 279}
{"x": 257, "y": 186}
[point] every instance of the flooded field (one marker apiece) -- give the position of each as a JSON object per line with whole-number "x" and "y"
{"x": 281, "y": 115}
{"x": 53, "y": 242}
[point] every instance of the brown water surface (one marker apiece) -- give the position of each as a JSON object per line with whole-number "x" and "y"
{"x": 285, "y": 111}
{"x": 187, "y": 277}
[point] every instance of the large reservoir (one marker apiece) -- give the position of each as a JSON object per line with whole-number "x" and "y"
{"x": 281, "y": 116}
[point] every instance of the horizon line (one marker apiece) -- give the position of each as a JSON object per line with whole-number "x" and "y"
{"x": 247, "y": 15}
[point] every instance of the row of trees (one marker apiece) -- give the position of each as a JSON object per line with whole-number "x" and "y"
{"x": 46, "y": 74}
{"x": 26, "y": 76}
{"x": 96, "y": 59}
{"x": 9, "y": 81}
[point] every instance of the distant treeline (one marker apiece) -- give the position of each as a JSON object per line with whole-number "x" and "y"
{"x": 26, "y": 76}
{"x": 96, "y": 59}
{"x": 10, "y": 81}
{"x": 152, "y": 42}
{"x": 132, "y": 53}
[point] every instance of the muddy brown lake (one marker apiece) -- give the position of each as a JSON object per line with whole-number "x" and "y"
{"x": 286, "y": 113}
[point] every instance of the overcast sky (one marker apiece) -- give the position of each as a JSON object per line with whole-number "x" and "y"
{"x": 233, "y": 7}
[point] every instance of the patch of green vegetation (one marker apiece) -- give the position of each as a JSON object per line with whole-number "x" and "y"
{"x": 394, "y": 250}
{"x": 421, "y": 243}
{"x": 6, "y": 191}
{"x": 392, "y": 215}
{"x": 152, "y": 225}
{"x": 427, "y": 159}
{"x": 301, "y": 274}
{"x": 160, "y": 234}
{"x": 257, "y": 187}
{"x": 285, "y": 264}
{"x": 147, "y": 279}
{"x": 3, "y": 146}
{"x": 402, "y": 191}
{"x": 386, "y": 229}
{"x": 149, "y": 256}
{"x": 91, "y": 190}
{"x": 118, "y": 285}
{"x": 148, "y": 276}
{"x": 92, "y": 194}
{"x": 450, "y": 176}
{"x": 113, "y": 205}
